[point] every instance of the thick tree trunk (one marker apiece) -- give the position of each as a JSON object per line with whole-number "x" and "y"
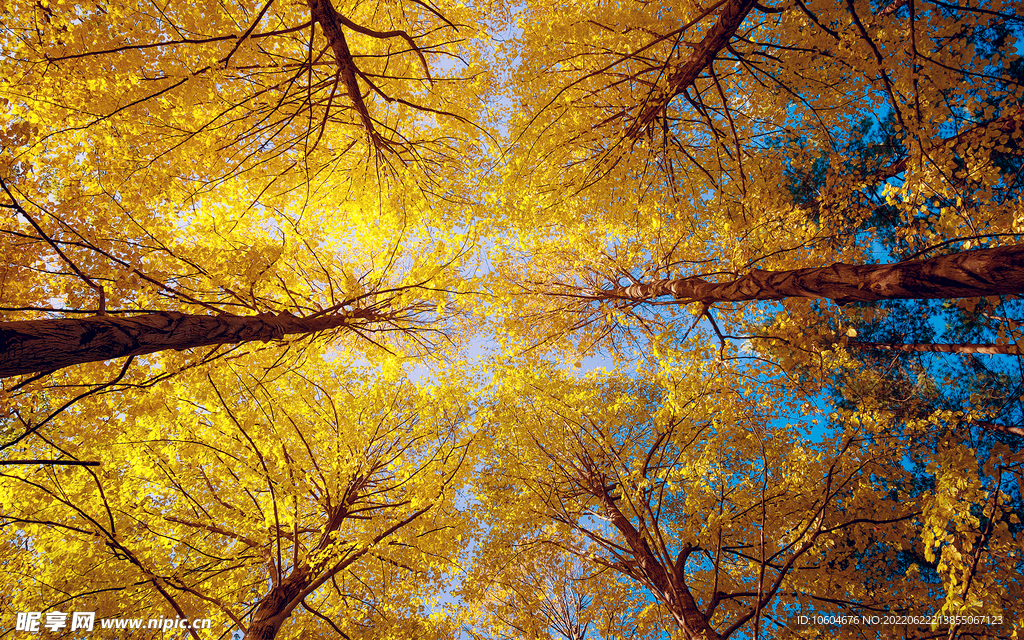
{"x": 989, "y": 349}
{"x": 667, "y": 581}
{"x": 729, "y": 19}
{"x": 277, "y": 606}
{"x": 323, "y": 12}
{"x": 47, "y": 345}
{"x": 992, "y": 426}
{"x": 983, "y": 272}
{"x": 1006, "y": 125}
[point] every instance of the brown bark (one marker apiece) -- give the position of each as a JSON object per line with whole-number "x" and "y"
{"x": 277, "y": 605}
{"x": 893, "y": 7}
{"x": 670, "y": 583}
{"x": 1002, "y": 428}
{"x": 730, "y": 18}
{"x": 275, "y": 608}
{"x": 323, "y": 12}
{"x": 1007, "y": 125}
{"x": 990, "y": 349}
{"x": 968, "y": 274}
{"x": 47, "y": 345}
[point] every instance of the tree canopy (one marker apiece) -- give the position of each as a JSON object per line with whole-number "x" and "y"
{"x": 434, "y": 319}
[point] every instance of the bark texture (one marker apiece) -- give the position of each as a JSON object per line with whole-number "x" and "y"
{"x": 968, "y": 274}
{"x": 730, "y": 18}
{"x": 667, "y": 582}
{"x": 323, "y": 12}
{"x": 1002, "y": 428}
{"x": 1005, "y": 125}
{"x": 33, "y": 346}
{"x": 990, "y": 349}
{"x": 275, "y": 608}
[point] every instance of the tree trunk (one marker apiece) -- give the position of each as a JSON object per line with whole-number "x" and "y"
{"x": 668, "y": 581}
{"x": 990, "y": 349}
{"x": 274, "y": 609}
{"x": 968, "y": 274}
{"x": 729, "y": 19}
{"x": 47, "y": 345}
{"x": 993, "y": 426}
{"x": 323, "y": 12}
{"x": 1006, "y": 125}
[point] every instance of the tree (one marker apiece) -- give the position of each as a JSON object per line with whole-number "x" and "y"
{"x": 242, "y": 286}
{"x": 104, "y": 217}
{"x": 690, "y": 486}
{"x": 702, "y": 196}
{"x": 205, "y": 185}
{"x": 46, "y": 345}
{"x": 646, "y": 182}
{"x": 964, "y": 275}
{"x": 963, "y": 463}
{"x": 277, "y": 84}
{"x": 296, "y": 503}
